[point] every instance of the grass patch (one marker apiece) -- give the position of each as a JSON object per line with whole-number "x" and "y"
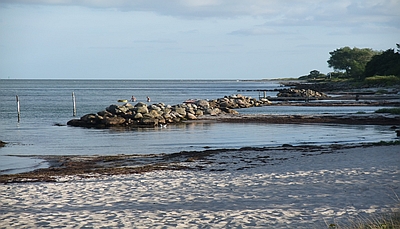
{"x": 384, "y": 221}
{"x": 382, "y": 80}
{"x": 389, "y": 110}
{"x": 382, "y": 92}
{"x": 386, "y": 143}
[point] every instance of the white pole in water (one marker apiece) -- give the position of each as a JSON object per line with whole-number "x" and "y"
{"x": 74, "y": 104}
{"x": 18, "y": 109}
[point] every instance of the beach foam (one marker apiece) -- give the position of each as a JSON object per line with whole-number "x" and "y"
{"x": 300, "y": 192}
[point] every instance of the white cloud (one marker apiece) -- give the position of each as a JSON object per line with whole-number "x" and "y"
{"x": 295, "y": 12}
{"x": 256, "y": 32}
{"x": 217, "y": 38}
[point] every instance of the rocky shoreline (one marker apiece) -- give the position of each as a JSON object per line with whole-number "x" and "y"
{"x": 225, "y": 109}
{"x": 144, "y": 115}
{"x": 218, "y": 110}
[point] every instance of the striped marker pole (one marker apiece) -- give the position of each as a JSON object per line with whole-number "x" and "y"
{"x": 18, "y": 108}
{"x": 73, "y": 104}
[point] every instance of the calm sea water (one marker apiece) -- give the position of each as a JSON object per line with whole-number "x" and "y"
{"x": 47, "y": 102}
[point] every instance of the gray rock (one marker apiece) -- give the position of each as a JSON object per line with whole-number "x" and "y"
{"x": 181, "y": 111}
{"x": 151, "y": 115}
{"x": 138, "y": 116}
{"x": 113, "y": 121}
{"x": 104, "y": 113}
{"x": 148, "y": 121}
{"x": 142, "y": 109}
{"x": 202, "y": 103}
{"x": 199, "y": 113}
{"x": 191, "y": 116}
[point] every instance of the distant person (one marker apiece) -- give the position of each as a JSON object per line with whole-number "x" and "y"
{"x": 133, "y": 99}
{"x": 148, "y": 99}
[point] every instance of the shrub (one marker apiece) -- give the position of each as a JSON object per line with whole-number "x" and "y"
{"x": 389, "y": 110}
{"x": 385, "y": 221}
{"x": 382, "y": 80}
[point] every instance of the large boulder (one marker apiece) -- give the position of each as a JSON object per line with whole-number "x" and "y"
{"x": 181, "y": 111}
{"x": 199, "y": 113}
{"x": 229, "y": 111}
{"x": 148, "y": 122}
{"x": 142, "y": 110}
{"x": 202, "y": 103}
{"x": 138, "y": 116}
{"x": 155, "y": 113}
{"x": 104, "y": 113}
{"x": 77, "y": 122}
{"x": 117, "y": 109}
{"x": 191, "y": 116}
{"x": 213, "y": 112}
{"x": 113, "y": 121}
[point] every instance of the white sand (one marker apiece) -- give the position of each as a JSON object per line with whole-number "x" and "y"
{"x": 300, "y": 192}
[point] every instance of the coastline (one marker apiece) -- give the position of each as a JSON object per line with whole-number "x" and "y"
{"x": 77, "y": 166}
{"x": 354, "y": 119}
{"x": 132, "y": 164}
{"x": 280, "y": 187}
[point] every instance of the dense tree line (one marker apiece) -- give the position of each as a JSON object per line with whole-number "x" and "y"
{"x": 360, "y": 63}
{"x": 385, "y": 64}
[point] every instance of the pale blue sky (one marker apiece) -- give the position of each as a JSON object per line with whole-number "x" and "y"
{"x": 186, "y": 39}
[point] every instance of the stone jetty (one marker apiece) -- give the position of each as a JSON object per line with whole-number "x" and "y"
{"x": 145, "y": 115}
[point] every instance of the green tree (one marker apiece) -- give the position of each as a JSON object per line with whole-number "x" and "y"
{"x": 385, "y": 64}
{"x": 314, "y": 74}
{"x": 351, "y": 60}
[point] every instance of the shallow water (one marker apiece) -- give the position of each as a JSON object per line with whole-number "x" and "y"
{"x": 44, "y": 103}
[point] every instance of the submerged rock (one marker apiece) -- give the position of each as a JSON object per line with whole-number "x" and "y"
{"x": 2, "y": 144}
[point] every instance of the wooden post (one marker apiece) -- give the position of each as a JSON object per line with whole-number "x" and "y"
{"x": 18, "y": 109}
{"x": 307, "y": 96}
{"x": 73, "y": 104}
{"x": 265, "y": 94}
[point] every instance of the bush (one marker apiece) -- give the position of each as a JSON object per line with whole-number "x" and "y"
{"x": 386, "y": 143}
{"x": 389, "y": 110}
{"x": 382, "y": 80}
{"x": 385, "y": 221}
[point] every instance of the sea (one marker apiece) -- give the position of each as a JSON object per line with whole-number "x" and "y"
{"x": 47, "y": 105}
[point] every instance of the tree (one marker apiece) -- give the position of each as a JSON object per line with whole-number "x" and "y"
{"x": 351, "y": 60}
{"x": 385, "y": 64}
{"x": 314, "y": 74}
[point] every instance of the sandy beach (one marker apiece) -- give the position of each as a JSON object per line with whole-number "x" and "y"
{"x": 264, "y": 188}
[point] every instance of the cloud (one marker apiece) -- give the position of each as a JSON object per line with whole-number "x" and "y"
{"x": 256, "y": 32}
{"x": 275, "y": 12}
{"x": 157, "y": 41}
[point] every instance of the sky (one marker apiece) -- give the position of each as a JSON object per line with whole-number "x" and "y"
{"x": 186, "y": 39}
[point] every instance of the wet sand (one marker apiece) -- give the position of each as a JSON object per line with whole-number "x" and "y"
{"x": 281, "y": 187}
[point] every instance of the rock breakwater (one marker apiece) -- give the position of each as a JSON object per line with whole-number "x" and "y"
{"x": 303, "y": 93}
{"x": 145, "y": 115}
